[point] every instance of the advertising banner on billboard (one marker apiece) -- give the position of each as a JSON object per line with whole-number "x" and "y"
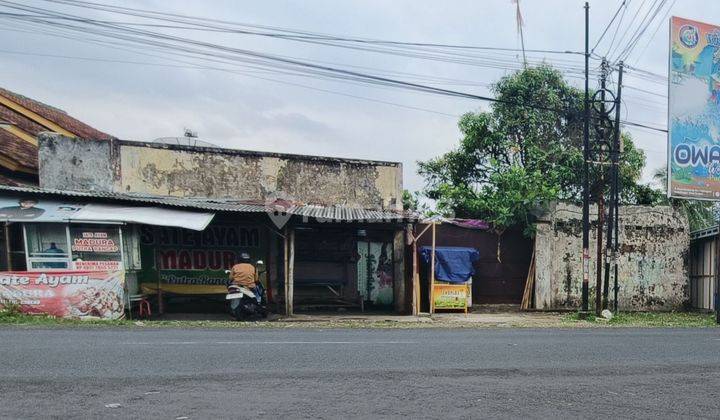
{"x": 694, "y": 110}
{"x": 66, "y": 294}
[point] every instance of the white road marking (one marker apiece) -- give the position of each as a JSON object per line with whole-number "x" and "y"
{"x": 182, "y": 343}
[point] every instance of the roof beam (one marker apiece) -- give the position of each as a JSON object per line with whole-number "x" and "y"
{"x": 34, "y": 116}
{"x": 17, "y": 132}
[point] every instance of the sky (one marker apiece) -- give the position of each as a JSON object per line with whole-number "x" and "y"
{"x": 144, "y": 94}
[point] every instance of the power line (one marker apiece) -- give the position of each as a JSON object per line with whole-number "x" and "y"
{"x": 617, "y": 28}
{"x": 298, "y": 34}
{"x": 171, "y": 42}
{"x": 608, "y": 25}
{"x": 233, "y": 72}
{"x": 650, "y": 16}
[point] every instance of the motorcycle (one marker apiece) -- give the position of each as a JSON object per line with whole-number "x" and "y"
{"x": 246, "y": 304}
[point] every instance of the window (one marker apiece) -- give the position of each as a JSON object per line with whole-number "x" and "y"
{"x": 47, "y": 246}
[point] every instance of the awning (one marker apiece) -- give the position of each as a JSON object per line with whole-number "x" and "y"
{"x": 33, "y": 210}
{"x": 144, "y": 215}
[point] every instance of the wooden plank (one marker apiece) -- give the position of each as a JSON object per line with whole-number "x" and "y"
{"x": 529, "y": 284}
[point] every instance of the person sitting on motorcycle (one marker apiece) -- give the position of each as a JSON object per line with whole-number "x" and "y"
{"x": 244, "y": 273}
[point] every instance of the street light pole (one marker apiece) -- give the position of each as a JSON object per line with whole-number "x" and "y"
{"x": 586, "y": 172}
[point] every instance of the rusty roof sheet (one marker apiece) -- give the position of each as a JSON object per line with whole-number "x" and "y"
{"x": 324, "y": 213}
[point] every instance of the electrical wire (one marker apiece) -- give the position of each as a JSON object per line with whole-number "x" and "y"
{"x": 623, "y": 4}
{"x": 200, "y": 48}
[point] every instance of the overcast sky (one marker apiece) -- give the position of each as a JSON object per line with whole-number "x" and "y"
{"x": 144, "y": 102}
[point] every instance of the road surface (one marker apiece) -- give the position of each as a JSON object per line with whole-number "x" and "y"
{"x": 423, "y": 373}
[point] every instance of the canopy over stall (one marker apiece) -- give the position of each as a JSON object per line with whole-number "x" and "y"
{"x": 32, "y": 210}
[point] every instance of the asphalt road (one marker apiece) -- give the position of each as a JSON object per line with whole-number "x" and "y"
{"x": 508, "y": 373}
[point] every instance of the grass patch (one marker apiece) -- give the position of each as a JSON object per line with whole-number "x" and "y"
{"x": 648, "y": 319}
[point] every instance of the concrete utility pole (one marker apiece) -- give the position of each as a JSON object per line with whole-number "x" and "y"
{"x": 586, "y": 173}
{"x": 614, "y": 215}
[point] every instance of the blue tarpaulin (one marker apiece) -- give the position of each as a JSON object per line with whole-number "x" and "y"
{"x": 452, "y": 264}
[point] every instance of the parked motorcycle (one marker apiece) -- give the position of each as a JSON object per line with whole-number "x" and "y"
{"x": 247, "y": 304}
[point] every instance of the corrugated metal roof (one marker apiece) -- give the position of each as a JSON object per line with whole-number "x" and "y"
{"x": 704, "y": 233}
{"x": 326, "y": 213}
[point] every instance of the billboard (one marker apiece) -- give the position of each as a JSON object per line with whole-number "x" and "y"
{"x": 694, "y": 110}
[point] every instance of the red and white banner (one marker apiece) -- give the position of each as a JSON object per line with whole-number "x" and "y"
{"x": 67, "y": 294}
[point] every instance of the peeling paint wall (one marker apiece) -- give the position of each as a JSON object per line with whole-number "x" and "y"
{"x": 168, "y": 170}
{"x": 76, "y": 164}
{"x": 653, "y": 258}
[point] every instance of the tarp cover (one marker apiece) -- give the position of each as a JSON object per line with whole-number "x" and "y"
{"x": 452, "y": 264}
{"x": 145, "y": 215}
{"x": 31, "y": 209}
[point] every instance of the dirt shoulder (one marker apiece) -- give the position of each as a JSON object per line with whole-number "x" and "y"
{"x": 473, "y": 320}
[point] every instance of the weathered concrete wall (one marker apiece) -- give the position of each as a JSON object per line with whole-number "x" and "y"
{"x": 76, "y": 164}
{"x": 168, "y": 170}
{"x": 653, "y": 260}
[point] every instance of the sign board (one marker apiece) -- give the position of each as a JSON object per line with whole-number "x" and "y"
{"x": 194, "y": 262}
{"x": 66, "y": 294}
{"x": 694, "y": 110}
{"x": 451, "y": 296}
{"x": 28, "y": 209}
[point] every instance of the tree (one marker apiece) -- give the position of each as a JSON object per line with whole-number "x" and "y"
{"x": 523, "y": 153}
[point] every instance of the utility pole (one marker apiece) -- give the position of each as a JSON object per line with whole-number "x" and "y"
{"x": 586, "y": 173}
{"x": 601, "y": 196}
{"x": 614, "y": 215}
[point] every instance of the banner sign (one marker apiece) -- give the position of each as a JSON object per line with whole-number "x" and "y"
{"x": 66, "y": 294}
{"x": 194, "y": 260}
{"x": 28, "y": 209}
{"x": 694, "y": 110}
{"x": 95, "y": 242}
{"x": 450, "y": 296}
{"x": 80, "y": 265}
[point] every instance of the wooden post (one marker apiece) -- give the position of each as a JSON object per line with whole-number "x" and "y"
{"x": 415, "y": 300}
{"x": 432, "y": 272}
{"x": 286, "y": 260}
{"x": 290, "y": 270}
{"x": 7, "y": 246}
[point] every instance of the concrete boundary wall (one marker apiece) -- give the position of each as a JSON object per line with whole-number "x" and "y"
{"x": 653, "y": 260}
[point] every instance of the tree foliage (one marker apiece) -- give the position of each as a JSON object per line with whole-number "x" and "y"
{"x": 699, "y": 213}
{"x": 523, "y": 153}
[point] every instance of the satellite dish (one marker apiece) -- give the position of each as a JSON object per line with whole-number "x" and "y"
{"x": 189, "y": 138}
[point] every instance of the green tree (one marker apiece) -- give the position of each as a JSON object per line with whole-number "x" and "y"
{"x": 523, "y": 153}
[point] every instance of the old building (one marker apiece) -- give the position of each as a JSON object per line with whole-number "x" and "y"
{"x": 21, "y": 120}
{"x": 652, "y": 263}
{"x": 330, "y": 231}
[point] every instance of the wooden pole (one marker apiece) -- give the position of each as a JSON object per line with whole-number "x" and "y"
{"x": 291, "y": 274}
{"x": 414, "y": 275}
{"x": 7, "y": 246}
{"x": 432, "y": 272}
{"x": 286, "y": 280}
